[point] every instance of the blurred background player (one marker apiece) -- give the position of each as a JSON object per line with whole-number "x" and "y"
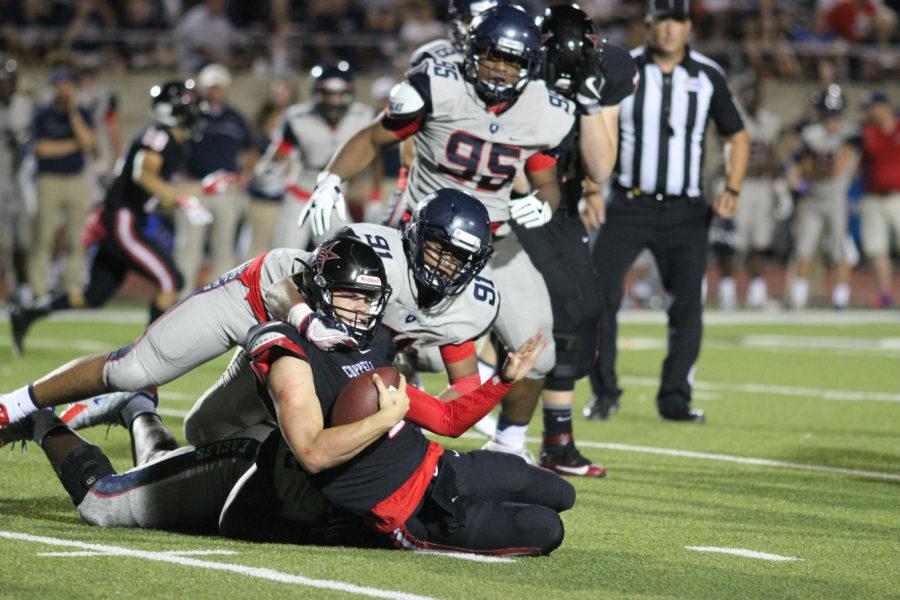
{"x": 881, "y": 202}
{"x": 827, "y": 160}
{"x": 220, "y": 158}
{"x": 754, "y": 223}
{"x": 309, "y": 135}
{"x": 154, "y": 157}
{"x": 16, "y": 109}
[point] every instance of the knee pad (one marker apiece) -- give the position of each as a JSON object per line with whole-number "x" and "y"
{"x": 81, "y": 469}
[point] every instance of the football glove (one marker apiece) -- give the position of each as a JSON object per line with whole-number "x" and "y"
{"x": 530, "y": 211}
{"x": 325, "y": 199}
{"x": 325, "y": 332}
{"x": 194, "y": 210}
{"x": 590, "y": 90}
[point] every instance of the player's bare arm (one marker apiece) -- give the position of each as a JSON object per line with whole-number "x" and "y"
{"x": 360, "y": 150}
{"x": 598, "y": 152}
{"x": 290, "y": 384}
{"x": 147, "y": 165}
{"x": 545, "y": 186}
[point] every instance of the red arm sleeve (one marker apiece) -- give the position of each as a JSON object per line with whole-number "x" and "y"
{"x": 456, "y": 416}
{"x": 539, "y": 162}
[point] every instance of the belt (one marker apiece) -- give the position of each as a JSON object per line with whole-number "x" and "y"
{"x": 657, "y": 196}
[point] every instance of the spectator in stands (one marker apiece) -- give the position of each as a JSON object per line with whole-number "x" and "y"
{"x": 85, "y": 31}
{"x": 205, "y": 35}
{"x": 881, "y": 202}
{"x": 420, "y": 25}
{"x": 64, "y": 138}
{"x": 142, "y": 29}
{"x": 220, "y": 158}
{"x": 336, "y": 20}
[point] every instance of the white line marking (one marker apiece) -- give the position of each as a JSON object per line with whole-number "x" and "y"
{"x": 745, "y": 553}
{"x": 777, "y": 390}
{"x": 259, "y": 572}
{"x": 472, "y": 557}
{"x": 170, "y": 552}
{"x": 764, "y": 462}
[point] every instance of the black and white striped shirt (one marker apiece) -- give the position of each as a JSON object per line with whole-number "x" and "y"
{"x": 663, "y": 124}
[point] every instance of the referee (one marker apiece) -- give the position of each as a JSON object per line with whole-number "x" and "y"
{"x": 657, "y": 201}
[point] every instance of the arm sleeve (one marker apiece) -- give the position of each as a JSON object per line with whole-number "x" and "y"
{"x": 458, "y": 415}
{"x": 621, "y": 75}
{"x": 723, "y": 108}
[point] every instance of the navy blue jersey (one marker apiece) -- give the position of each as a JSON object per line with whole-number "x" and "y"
{"x": 50, "y": 123}
{"x": 223, "y": 136}
{"x": 124, "y": 191}
{"x": 383, "y": 467}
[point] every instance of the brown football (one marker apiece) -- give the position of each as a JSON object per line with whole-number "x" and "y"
{"x": 359, "y": 398}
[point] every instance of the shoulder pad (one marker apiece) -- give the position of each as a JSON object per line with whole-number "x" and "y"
{"x": 405, "y": 100}
{"x": 262, "y": 338}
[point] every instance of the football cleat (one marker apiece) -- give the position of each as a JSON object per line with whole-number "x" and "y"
{"x": 104, "y": 409}
{"x": 19, "y": 322}
{"x": 17, "y": 432}
{"x": 693, "y": 415}
{"x": 522, "y": 451}
{"x": 600, "y": 409}
{"x": 559, "y": 454}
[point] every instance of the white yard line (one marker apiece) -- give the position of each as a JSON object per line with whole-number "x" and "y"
{"x": 171, "y": 552}
{"x": 258, "y": 572}
{"x": 744, "y": 553}
{"x": 774, "y": 390}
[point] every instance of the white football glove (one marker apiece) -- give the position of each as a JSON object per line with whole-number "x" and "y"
{"x": 219, "y": 182}
{"x": 324, "y": 200}
{"x": 530, "y": 211}
{"x": 194, "y": 210}
{"x": 325, "y": 332}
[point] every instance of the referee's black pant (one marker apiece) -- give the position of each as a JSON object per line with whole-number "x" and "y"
{"x": 675, "y": 229}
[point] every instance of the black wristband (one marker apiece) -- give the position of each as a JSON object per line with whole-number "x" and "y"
{"x": 732, "y": 191}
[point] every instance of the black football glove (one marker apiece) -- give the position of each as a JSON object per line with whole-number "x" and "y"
{"x": 590, "y": 90}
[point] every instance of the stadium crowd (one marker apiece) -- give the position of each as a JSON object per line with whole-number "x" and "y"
{"x": 211, "y": 176}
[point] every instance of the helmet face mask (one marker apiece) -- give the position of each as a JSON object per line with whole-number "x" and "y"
{"x": 331, "y": 90}
{"x": 177, "y": 104}
{"x": 449, "y": 241}
{"x": 340, "y": 266}
{"x": 504, "y": 33}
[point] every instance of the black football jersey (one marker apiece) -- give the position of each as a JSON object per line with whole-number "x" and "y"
{"x": 124, "y": 191}
{"x": 385, "y": 465}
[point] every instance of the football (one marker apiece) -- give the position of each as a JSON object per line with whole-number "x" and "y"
{"x": 359, "y": 398}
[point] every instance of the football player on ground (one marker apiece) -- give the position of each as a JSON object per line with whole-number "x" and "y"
{"x": 475, "y": 129}
{"x": 381, "y": 467}
{"x": 439, "y": 305}
{"x": 249, "y": 487}
{"x": 217, "y": 317}
{"x": 141, "y": 185}
{"x": 307, "y": 137}
{"x": 597, "y": 76}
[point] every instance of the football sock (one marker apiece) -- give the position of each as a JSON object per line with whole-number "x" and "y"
{"x": 17, "y": 404}
{"x": 510, "y": 434}
{"x": 840, "y": 295}
{"x": 557, "y": 419}
{"x": 138, "y": 405}
{"x": 727, "y": 293}
{"x": 800, "y": 292}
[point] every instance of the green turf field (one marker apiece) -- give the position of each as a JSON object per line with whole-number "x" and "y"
{"x": 791, "y": 490}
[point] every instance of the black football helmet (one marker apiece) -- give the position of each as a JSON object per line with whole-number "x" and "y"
{"x": 331, "y": 90}
{"x": 504, "y": 31}
{"x": 176, "y": 103}
{"x": 461, "y": 13}
{"x": 829, "y": 102}
{"x": 568, "y": 38}
{"x": 345, "y": 263}
{"x": 460, "y": 224}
